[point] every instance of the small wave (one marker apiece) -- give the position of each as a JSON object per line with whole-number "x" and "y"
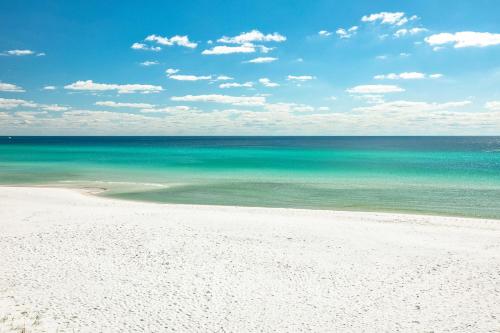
{"x": 115, "y": 183}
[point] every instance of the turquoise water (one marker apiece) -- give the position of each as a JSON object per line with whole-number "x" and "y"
{"x": 429, "y": 175}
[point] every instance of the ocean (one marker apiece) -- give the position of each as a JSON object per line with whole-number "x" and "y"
{"x": 457, "y": 176}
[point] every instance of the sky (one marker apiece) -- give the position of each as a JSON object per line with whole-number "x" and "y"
{"x": 261, "y": 67}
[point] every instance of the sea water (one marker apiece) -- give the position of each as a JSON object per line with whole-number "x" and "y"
{"x": 429, "y": 175}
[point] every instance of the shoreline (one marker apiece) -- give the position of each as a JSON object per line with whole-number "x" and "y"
{"x": 99, "y": 193}
{"x": 77, "y": 261}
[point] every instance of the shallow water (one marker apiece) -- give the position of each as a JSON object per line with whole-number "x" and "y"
{"x": 431, "y": 175}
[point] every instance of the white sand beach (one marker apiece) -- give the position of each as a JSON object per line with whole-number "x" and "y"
{"x": 73, "y": 262}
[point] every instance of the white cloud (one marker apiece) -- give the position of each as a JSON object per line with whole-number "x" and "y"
{"x": 411, "y": 75}
{"x": 277, "y": 118}
{"x": 404, "y": 76}
{"x": 261, "y": 60}
{"x": 324, "y": 33}
{"x": 236, "y": 85}
{"x": 224, "y": 49}
{"x": 409, "y": 106}
{"x": 245, "y": 43}
{"x": 19, "y": 52}
{"x": 181, "y": 77}
{"x": 41, "y": 54}
{"x": 169, "y": 109}
{"x": 392, "y": 18}
{"x": 252, "y": 36}
{"x": 264, "y": 49}
{"x": 492, "y": 105}
{"x": 90, "y": 85}
{"x": 300, "y": 77}
{"x": 55, "y": 108}
{"x": 285, "y": 108}
{"x": 374, "y": 89}
{"x": 113, "y": 104}
{"x": 370, "y": 98}
{"x": 223, "y": 78}
{"x": 464, "y": 39}
{"x": 412, "y": 31}
{"x": 223, "y": 99}
{"x": 10, "y": 103}
{"x": 144, "y": 47}
{"x": 343, "y": 33}
{"x": 49, "y": 88}
{"x": 8, "y": 87}
{"x": 407, "y": 76}
{"x": 175, "y": 40}
{"x": 268, "y": 83}
{"x": 149, "y": 63}
{"x": 171, "y": 71}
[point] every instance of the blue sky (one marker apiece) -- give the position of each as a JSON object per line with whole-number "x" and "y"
{"x": 250, "y": 67}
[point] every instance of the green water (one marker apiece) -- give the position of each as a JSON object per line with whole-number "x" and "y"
{"x": 449, "y": 176}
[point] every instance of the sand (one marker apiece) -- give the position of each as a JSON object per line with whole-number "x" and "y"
{"x": 73, "y": 262}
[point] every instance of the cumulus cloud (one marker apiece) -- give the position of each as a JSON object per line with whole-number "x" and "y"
{"x": 223, "y": 78}
{"x": 391, "y": 18}
{"x": 144, "y": 47}
{"x": 169, "y": 109}
{"x": 407, "y": 76}
{"x": 9, "y": 87}
{"x": 343, "y": 33}
{"x": 261, "y": 60}
{"x": 171, "y": 71}
{"x": 18, "y": 52}
{"x": 90, "y": 85}
{"x": 175, "y": 40}
{"x": 149, "y": 63}
{"x": 236, "y": 85}
{"x": 324, "y": 33}
{"x": 113, "y": 104}
{"x": 10, "y": 103}
{"x": 409, "y": 106}
{"x": 49, "y": 88}
{"x": 300, "y": 78}
{"x": 252, "y": 36}
{"x": 285, "y": 108}
{"x": 464, "y": 39}
{"x": 374, "y": 89}
{"x": 223, "y": 99}
{"x": 245, "y": 43}
{"x": 370, "y": 98}
{"x": 408, "y": 32}
{"x": 268, "y": 83}
{"x": 182, "y": 77}
{"x": 492, "y": 105}
{"x": 54, "y": 107}
{"x": 278, "y": 118}
{"x": 224, "y": 49}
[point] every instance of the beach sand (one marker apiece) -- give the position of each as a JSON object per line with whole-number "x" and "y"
{"x": 73, "y": 262}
